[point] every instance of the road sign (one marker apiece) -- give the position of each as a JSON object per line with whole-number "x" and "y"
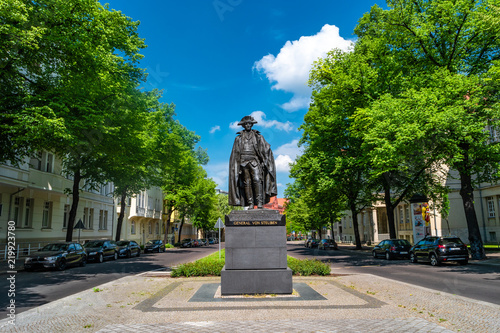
{"x": 219, "y": 224}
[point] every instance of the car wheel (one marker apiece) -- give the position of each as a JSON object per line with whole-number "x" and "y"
{"x": 139, "y": 253}
{"x": 434, "y": 260}
{"x": 158, "y": 249}
{"x": 83, "y": 263}
{"x": 115, "y": 256}
{"x": 464, "y": 262}
{"x": 129, "y": 254}
{"x": 374, "y": 254}
{"x": 100, "y": 258}
{"x": 388, "y": 256}
{"x": 413, "y": 258}
{"x": 61, "y": 265}
{"x": 30, "y": 269}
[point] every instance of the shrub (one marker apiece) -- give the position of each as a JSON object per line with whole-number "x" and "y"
{"x": 169, "y": 246}
{"x": 307, "y": 267}
{"x": 212, "y": 265}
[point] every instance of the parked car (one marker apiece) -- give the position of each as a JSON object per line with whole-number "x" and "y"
{"x": 56, "y": 255}
{"x": 327, "y": 244}
{"x": 312, "y": 243}
{"x": 392, "y": 248}
{"x": 155, "y": 245}
{"x": 195, "y": 243}
{"x": 128, "y": 248}
{"x": 187, "y": 242}
{"x": 437, "y": 250}
{"x": 202, "y": 242}
{"x": 211, "y": 241}
{"x": 100, "y": 250}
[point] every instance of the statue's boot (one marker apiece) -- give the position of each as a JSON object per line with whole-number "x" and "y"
{"x": 249, "y": 195}
{"x": 259, "y": 196}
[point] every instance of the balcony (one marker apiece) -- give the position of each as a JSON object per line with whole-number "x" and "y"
{"x": 141, "y": 211}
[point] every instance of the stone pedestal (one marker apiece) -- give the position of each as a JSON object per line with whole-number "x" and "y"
{"x": 256, "y": 254}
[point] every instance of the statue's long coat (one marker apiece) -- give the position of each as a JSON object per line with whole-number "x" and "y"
{"x": 267, "y": 166}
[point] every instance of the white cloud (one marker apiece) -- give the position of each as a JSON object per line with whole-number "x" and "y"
{"x": 289, "y": 70}
{"x": 283, "y": 163}
{"x": 214, "y": 129}
{"x": 291, "y": 149}
{"x": 219, "y": 173}
{"x": 260, "y": 117}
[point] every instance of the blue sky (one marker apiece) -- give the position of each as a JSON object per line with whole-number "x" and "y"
{"x": 220, "y": 60}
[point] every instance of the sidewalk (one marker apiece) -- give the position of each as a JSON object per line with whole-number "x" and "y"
{"x": 339, "y": 303}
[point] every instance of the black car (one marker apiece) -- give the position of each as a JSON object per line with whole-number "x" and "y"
{"x": 57, "y": 255}
{"x": 187, "y": 242}
{"x": 312, "y": 243}
{"x": 100, "y": 250}
{"x": 128, "y": 249}
{"x": 437, "y": 250}
{"x": 326, "y": 244}
{"x": 392, "y": 248}
{"x": 154, "y": 246}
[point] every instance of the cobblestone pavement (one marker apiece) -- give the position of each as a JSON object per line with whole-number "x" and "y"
{"x": 341, "y": 303}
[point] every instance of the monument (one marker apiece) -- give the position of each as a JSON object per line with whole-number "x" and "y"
{"x": 255, "y": 238}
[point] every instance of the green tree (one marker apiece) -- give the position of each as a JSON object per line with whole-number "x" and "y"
{"x": 448, "y": 53}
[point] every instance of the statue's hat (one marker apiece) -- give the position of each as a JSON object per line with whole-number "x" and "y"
{"x": 247, "y": 119}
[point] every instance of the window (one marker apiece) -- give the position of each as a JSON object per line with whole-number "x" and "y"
{"x": 47, "y": 214}
{"x": 91, "y": 218}
{"x": 491, "y": 207}
{"x": 18, "y": 202}
{"x": 494, "y": 134}
{"x": 66, "y": 215}
{"x": 132, "y": 227}
{"x": 85, "y": 215}
{"x": 49, "y": 163}
{"x": 407, "y": 213}
{"x": 36, "y": 161}
{"x": 28, "y": 213}
{"x": 105, "y": 220}
{"x": 157, "y": 225}
{"x": 350, "y": 222}
{"x": 150, "y": 228}
{"x": 493, "y": 236}
{"x": 401, "y": 217}
{"x": 1, "y": 205}
{"x": 101, "y": 219}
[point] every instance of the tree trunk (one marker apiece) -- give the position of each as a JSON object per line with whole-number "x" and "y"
{"x": 390, "y": 211}
{"x": 122, "y": 214}
{"x": 74, "y": 205}
{"x": 167, "y": 227}
{"x": 180, "y": 228}
{"x": 356, "y": 226}
{"x": 467, "y": 194}
{"x": 331, "y": 227}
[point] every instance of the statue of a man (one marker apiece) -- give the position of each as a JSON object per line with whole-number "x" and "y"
{"x": 252, "y": 172}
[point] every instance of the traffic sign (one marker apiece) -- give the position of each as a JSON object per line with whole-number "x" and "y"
{"x": 219, "y": 224}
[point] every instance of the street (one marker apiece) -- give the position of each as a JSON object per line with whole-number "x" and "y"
{"x": 33, "y": 289}
{"x": 476, "y": 281}
{"x": 480, "y": 282}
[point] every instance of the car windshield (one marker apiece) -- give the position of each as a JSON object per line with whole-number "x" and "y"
{"x": 402, "y": 242}
{"x": 153, "y": 242}
{"x": 186, "y": 240}
{"x": 94, "y": 244}
{"x": 450, "y": 241}
{"x": 55, "y": 247}
{"x": 122, "y": 243}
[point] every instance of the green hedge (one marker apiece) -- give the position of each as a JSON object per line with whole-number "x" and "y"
{"x": 212, "y": 265}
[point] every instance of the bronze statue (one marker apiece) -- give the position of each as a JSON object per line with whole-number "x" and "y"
{"x": 252, "y": 172}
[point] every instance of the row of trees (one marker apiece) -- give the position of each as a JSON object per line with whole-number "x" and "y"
{"x": 414, "y": 98}
{"x": 69, "y": 84}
